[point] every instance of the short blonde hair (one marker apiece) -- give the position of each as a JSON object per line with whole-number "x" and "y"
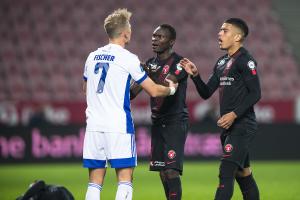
{"x": 116, "y": 22}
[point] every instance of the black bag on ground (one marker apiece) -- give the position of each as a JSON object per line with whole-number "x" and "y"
{"x": 39, "y": 190}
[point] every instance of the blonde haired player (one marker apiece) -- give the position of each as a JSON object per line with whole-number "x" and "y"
{"x": 109, "y": 134}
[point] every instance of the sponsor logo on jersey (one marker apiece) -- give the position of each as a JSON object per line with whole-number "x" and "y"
{"x": 221, "y": 62}
{"x": 252, "y": 67}
{"x": 171, "y": 154}
{"x": 178, "y": 67}
{"x": 166, "y": 69}
{"x": 226, "y": 80}
{"x": 228, "y": 148}
{"x": 177, "y": 72}
{"x": 157, "y": 163}
{"x": 153, "y": 67}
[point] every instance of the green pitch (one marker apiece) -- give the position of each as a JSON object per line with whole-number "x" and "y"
{"x": 276, "y": 180}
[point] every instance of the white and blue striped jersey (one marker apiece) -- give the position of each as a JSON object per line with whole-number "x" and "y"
{"x": 108, "y": 72}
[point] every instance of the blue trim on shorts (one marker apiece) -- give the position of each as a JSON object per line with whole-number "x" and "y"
{"x": 85, "y": 78}
{"x": 123, "y": 162}
{"x": 126, "y": 106}
{"x": 91, "y": 163}
{"x": 142, "y": 79}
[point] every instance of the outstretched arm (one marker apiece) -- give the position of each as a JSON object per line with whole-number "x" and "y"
{"x": 204, "y": 90}
{"x": 155, "y": 90}
{"x": 189, "y": 67}
{"x": 135, "y": 89}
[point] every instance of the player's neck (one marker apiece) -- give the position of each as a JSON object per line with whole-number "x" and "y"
{"x": 165, "y": 55}
{"x": 232, "y": 50}
{"x": 117, "y": 41}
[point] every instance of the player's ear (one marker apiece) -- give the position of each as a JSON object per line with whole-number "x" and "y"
{"x": 126, "y": 37}
{"x": 172, "y": 42}
{"x": 238, "y": 37}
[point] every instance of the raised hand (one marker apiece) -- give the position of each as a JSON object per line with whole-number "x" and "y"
{"x": 189, "y": 67}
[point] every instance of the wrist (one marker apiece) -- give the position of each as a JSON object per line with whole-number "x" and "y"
{"x": 234, "y": 115}
{"x": 172, "y": 90}
{"x": 194, "y": 75}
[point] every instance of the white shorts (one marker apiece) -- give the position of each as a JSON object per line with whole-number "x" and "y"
{"x": 119, "y": 149}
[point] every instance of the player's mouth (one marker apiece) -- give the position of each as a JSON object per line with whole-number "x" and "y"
{"x": 155, "y": 46}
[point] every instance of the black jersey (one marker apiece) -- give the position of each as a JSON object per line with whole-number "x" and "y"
{"x": 171, "y": 108}
{"x": 238, "y": 83}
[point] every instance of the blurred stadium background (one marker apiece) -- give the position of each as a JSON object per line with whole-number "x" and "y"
{"x": 43, "y": 47}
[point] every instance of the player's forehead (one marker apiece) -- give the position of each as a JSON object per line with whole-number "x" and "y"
{"x": 229, "y": 27}
{"x": 161, "y": 32}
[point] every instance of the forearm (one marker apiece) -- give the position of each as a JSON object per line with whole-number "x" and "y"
{"x": 202, "y": 89}
{"x": 135, "y": 89}
{"x": 161, "y": 91}
{"x": 155, "y": 90}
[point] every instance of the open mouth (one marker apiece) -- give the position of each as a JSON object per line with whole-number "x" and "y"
{"x": 154, "y": 45}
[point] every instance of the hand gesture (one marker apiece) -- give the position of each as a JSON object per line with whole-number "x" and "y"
{"x": 226, "y": 120}
{"x": 172, "y": 84}
{"x": 189, "y": 67}
{"x": 145, "y": 67}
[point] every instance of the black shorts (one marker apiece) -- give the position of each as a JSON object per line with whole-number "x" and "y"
{"x": 236, "y": 144}
{"x": 167, "y": 146}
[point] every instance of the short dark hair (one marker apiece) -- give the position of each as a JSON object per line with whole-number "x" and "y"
{"x": 171, "y": 29}
{"x": 241, "y": 24}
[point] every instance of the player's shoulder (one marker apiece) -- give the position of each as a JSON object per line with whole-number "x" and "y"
{"x": 123, "y": 52}
{"x": 246, "y": 55}
{"x": 150, "y": 60}
{"x": 92, "y": 54}
{"x": 246, "y": 58}
{"x": 128, "y": 56}
{"x": 246, "y": 61}
{"x": 177, "y": 56}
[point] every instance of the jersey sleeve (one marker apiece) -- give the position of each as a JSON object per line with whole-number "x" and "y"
{"x": 248, "y": 70}
{"x": 85, "y": 71}
{"x": 85, "y": 75}
{"x": 206, "y": 90}
{"x": 136, "y": 70}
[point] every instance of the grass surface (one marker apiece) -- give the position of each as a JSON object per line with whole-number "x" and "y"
{"x": 276, "y": 180}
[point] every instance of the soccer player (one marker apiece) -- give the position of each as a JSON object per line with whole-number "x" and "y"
{"x": 169, "y": 114}
{"x": 110, "y": 131}
{"x": 235, "y": 74}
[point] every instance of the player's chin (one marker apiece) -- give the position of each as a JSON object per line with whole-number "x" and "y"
{"x": 222, "y": 47}
{"x": 156, "y": 50}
